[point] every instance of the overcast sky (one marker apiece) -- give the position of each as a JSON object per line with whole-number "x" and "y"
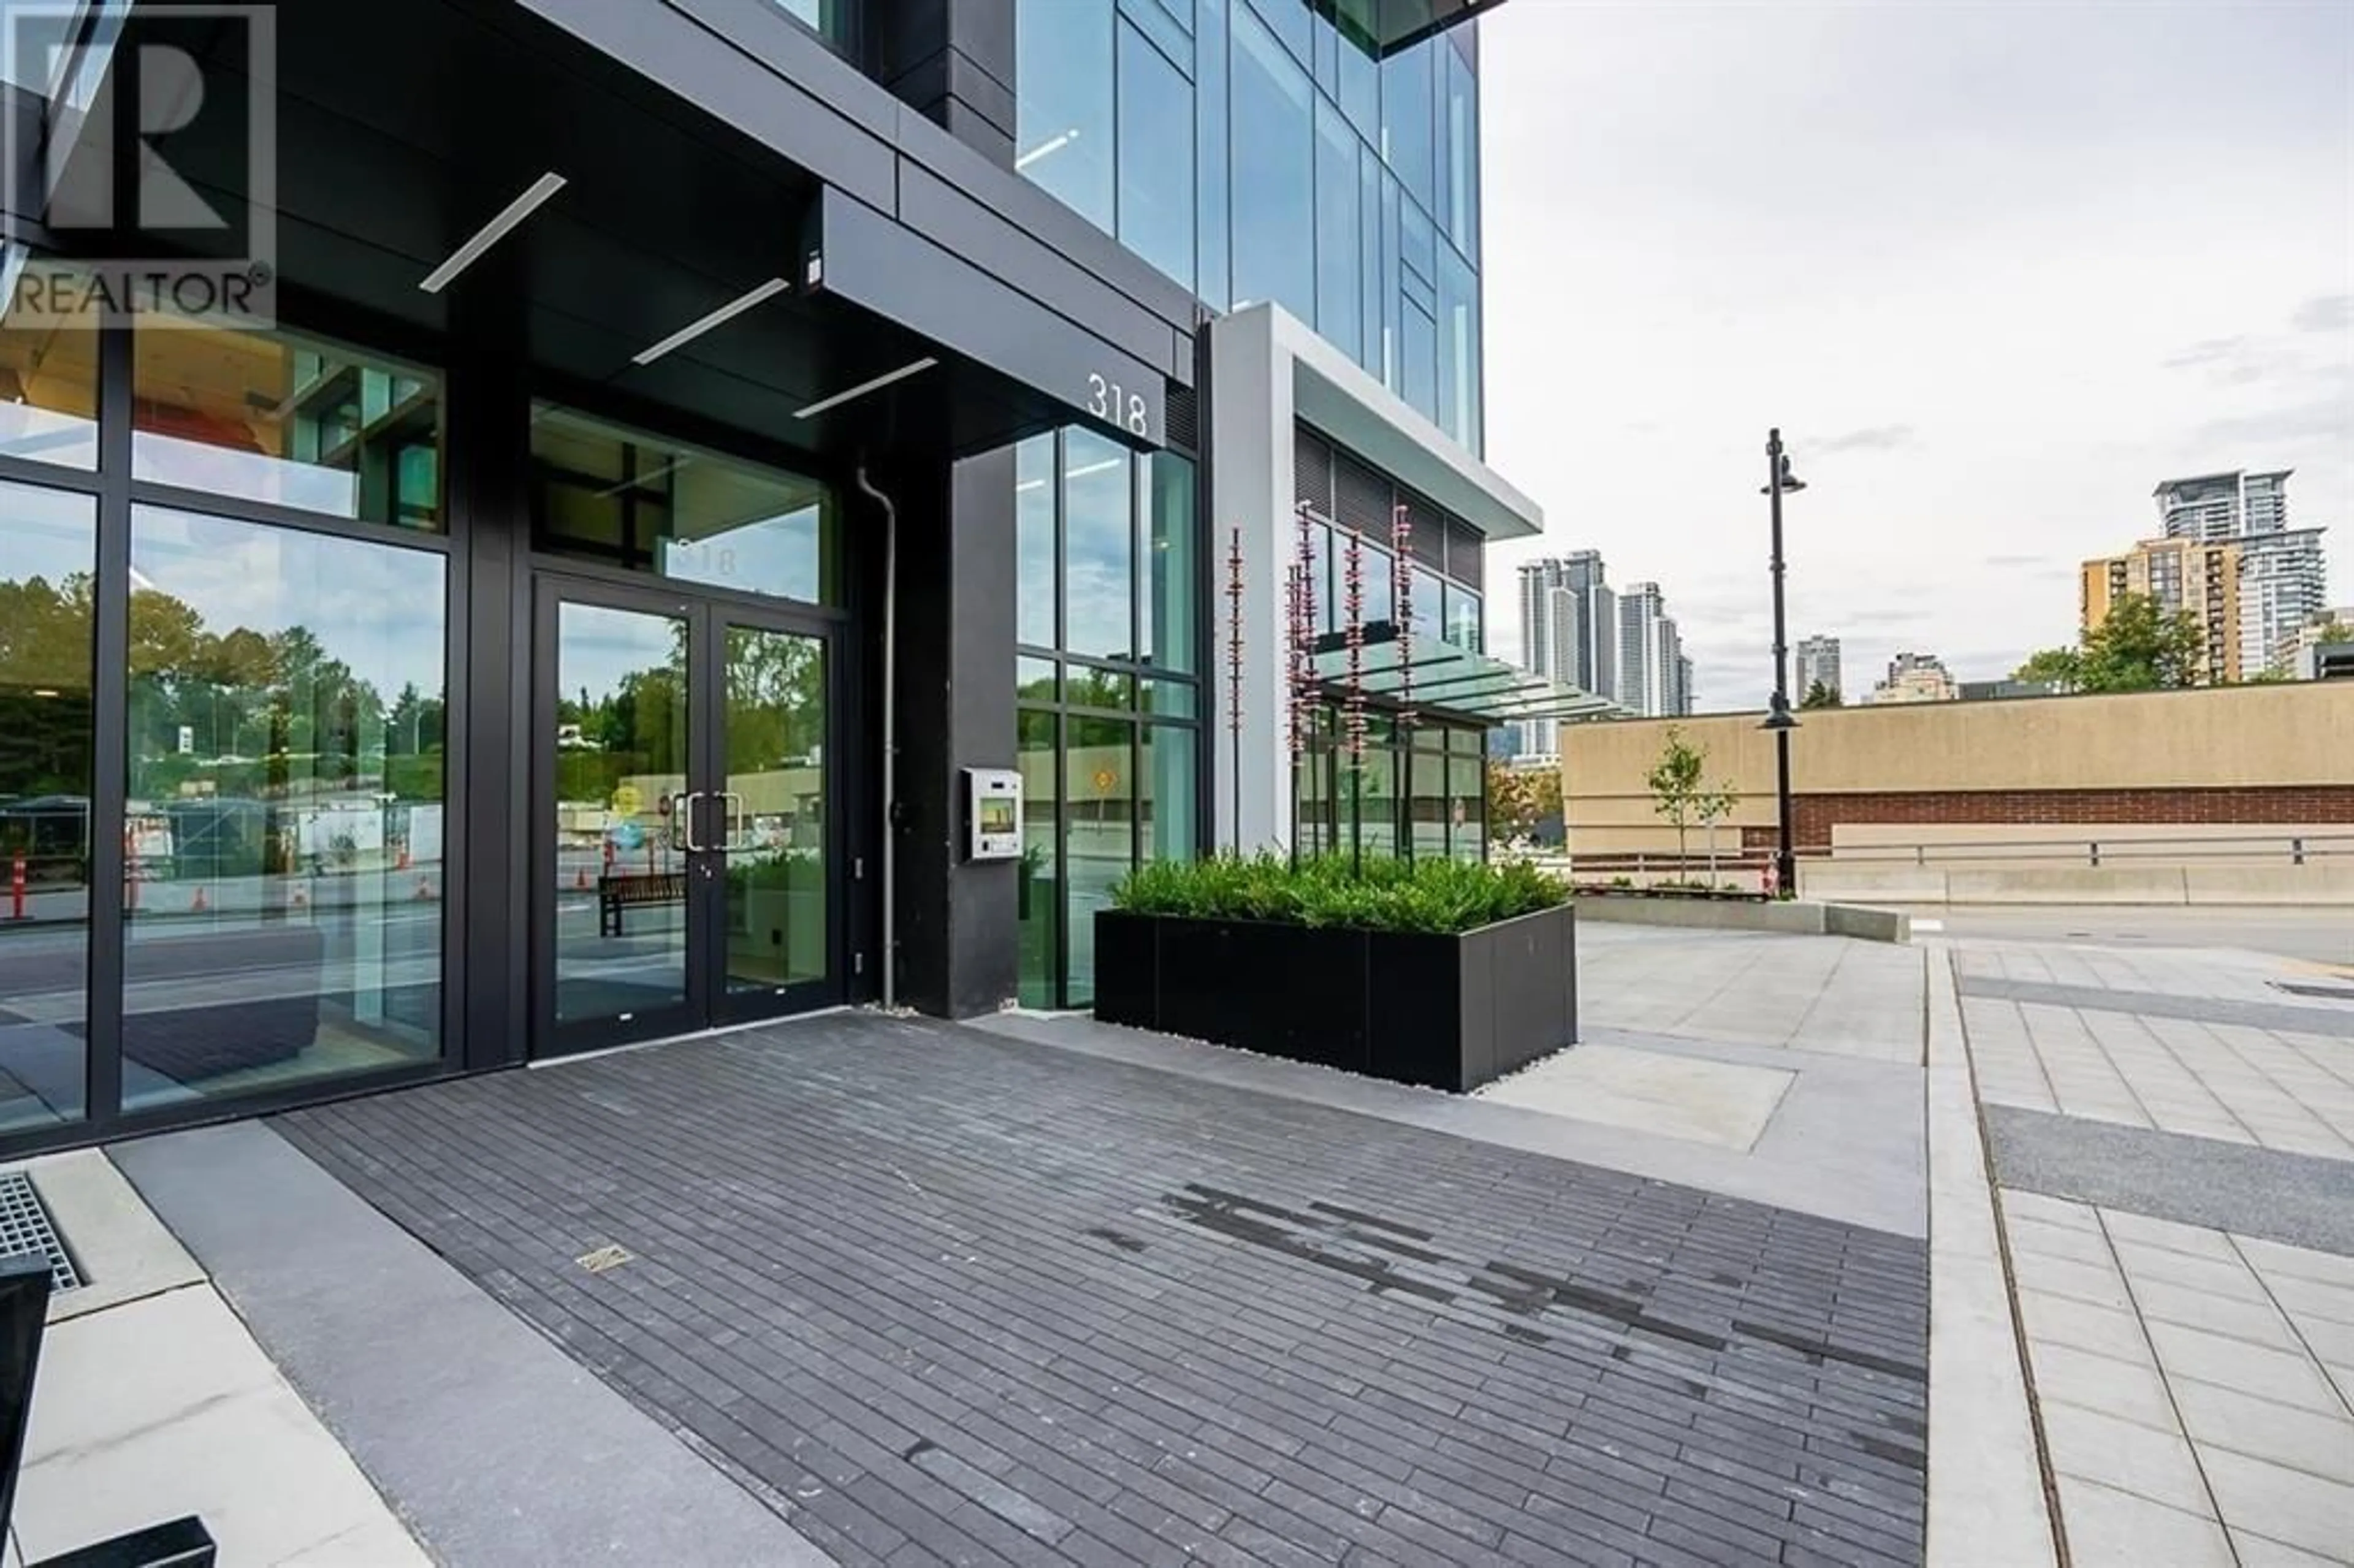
{"x": 1995, "y": 269}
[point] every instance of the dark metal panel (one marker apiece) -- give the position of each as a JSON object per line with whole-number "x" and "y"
{"x": 964, "y": 226}
{"x": 110, "y": 701}
{"x": 704, "y": 68}
{"x": 869, "y": 261}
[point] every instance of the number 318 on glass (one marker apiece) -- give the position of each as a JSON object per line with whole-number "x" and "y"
{"x": 1105, "y": 402}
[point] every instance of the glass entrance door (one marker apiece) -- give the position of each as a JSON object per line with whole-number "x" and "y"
{"x": 686, "y": 859}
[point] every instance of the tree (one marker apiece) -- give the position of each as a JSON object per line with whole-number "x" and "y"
{"x": 1678, "y": 788}
{"x": 2140, "y": 647}
{"x": 2061, "y": 668}
{"x": 1821, "y": 696}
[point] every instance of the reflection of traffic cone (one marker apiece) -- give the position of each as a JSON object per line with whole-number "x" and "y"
{"x": 197, "y": 904}
{"x": 402, "y": 864}
{"x": 580, "y": 880}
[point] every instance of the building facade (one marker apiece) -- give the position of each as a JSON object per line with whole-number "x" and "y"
{"x": 1915, "y": 678}
{"x": 2183, "y": 573}
{"x": 1653, "y": 678}
{"x": 1818, "y": 665}
{"x": 2280, "y": 581}
{"x": 690, "y": 438}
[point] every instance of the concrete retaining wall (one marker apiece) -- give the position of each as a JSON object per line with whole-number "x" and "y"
{"x": 2331, "y": 885}
{"x": 1795, "y": 917}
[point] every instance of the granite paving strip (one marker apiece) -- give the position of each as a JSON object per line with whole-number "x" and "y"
{"x": 934, "y": 1292}
{"x": 2336, "y": 1022}
{"x": 2301, "y": 1199}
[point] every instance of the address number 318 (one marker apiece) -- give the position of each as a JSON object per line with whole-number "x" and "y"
{"x": 1105, "y": 401}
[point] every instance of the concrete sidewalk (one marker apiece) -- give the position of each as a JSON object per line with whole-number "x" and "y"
{"x": 153, "y": 1401}
{"x": 2173, "y": 1135}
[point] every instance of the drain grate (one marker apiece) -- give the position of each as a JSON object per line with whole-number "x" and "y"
{"x": 25, "y": 1227}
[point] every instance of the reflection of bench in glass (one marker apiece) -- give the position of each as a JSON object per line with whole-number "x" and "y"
{"x": 636, "y": 890}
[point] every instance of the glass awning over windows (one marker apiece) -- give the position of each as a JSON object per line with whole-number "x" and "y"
{"x": 1456, "y": 682}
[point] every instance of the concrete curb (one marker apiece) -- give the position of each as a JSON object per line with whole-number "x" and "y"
{"x": 1988, "y": 1501}
{"x": 1797, "y": 917}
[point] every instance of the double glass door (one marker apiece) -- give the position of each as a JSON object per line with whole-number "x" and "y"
{"x": 687, "y": 853}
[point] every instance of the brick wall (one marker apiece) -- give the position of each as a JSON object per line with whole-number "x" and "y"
{"x": 2299, "y": 804}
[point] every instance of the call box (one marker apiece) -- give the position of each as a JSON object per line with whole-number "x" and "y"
{"x": 992, "y": 813}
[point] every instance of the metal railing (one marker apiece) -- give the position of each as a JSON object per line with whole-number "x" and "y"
{"x": 2089, "y": 848}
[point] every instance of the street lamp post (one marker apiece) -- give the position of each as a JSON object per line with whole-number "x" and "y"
{"x": 1781, "y": 721}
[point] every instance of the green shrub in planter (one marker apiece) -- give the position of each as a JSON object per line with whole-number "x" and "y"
{"x": 1444, "y": 896}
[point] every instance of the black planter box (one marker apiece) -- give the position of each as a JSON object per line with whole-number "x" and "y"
{"x": 1449, "y": 1012}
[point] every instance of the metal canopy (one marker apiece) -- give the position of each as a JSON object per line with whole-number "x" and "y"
{"x": 1455, "y": 681}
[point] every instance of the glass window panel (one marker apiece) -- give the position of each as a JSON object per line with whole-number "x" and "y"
{"x": 1458, "y": 349}
{"x": 1289, "y": 19}
{"x": 1099, "y": 547}
{"x": 289, "y": 421}
{"x": 1275, "y": 182}
{"x": 1391, "y": 371}
{"x": 1034, "y": 541}
{"x": 1085, "y": 686}
{"x": 1213, "y": 281}
{"x": 1156, "y": 158}
{"x": 1036, "y": 681}
{"x": 1041, "y": 898}
{"x": 48, "y": 394}
{"x": 1171, "y": 637}
{"x": 772, "y": 728}
{"x": 1100, "y": 834}
{"x": 1361, "y": 85}
{"x": 1313, "y": 786}
{"x": 286, "y": 808}
{"x": 1338, "y": 274}
{"x": 1428, "y": 806}
{"x": 635, "y": 499}
{"x": 1368, "y": 260}
{"x": 1418, "y": 355}
{"x": 48, "y": 548}
{"x": 1322, "y": 579}
{"x": 1372, "y": 786}
{"x": 1407, "y": 120}
{"x": 1467, "y": 807}
{"x": 1063, "y": 103}
{"x": 1427, "y": 604}
{"x": 1418, "y": 248}
{"x": 1160, "y": 23}
{"x": 1460, "y": 211}
{"x": 620, "y": 750}
{"x": 1462, "y": 612}
{"x": 1168, "y": 699}
{"x": 1165, "y": 827}
{"x": 1375, "y": 568}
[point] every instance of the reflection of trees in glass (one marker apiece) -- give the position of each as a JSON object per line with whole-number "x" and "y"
{"x": 45, "y": 647}
{"x": 266, "y": 715}
{"x": 639, "y": 726}
{"x": 776, "y": 698}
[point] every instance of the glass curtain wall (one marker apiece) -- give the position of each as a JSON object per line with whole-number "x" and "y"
{"x": 1108, "y": 681}
{"x": 1418, "y": 790}
{"x": 1254, "y": 150}
{"x": 223, "y": 680}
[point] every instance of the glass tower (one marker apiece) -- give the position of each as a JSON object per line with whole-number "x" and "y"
{"x": 1257, "y": 150}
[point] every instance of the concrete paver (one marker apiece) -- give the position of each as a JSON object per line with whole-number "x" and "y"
{"x": 940, "y": 1292}
{"x": 1830, "y": 995}
{"x": 2177, "y": 1391}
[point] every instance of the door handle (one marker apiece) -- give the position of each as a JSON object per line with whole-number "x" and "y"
{"x": 684, "y": 806}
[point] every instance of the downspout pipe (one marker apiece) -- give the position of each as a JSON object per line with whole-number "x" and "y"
{"x": 890, "y": 738}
